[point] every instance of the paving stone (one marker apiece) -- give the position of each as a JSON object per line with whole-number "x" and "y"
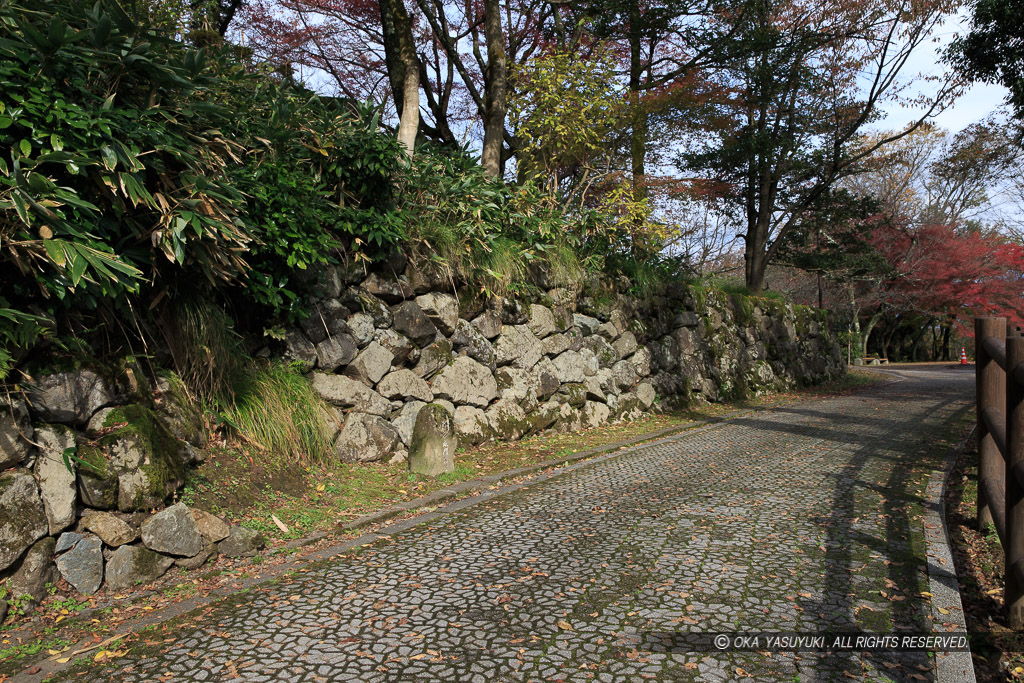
{"x": 785, "y": 520}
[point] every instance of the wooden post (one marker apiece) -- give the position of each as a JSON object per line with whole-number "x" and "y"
{"x": 1014, "y": 597}
{"x": 991, "y": 392}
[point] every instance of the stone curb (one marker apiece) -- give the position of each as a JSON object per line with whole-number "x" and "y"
{"x": 950, "y": 667}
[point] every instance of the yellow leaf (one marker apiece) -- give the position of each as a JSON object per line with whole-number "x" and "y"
{"x": 943, "y": 610}
{"x": 926, "y": 594}
{"x": 280, "y": 525}
{"x": 321, "y": 487}
{"x": 563, "y": 624}
{"x": 63, "y": 660}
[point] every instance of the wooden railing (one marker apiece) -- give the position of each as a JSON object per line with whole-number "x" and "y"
{"x": 1000, "y": 384}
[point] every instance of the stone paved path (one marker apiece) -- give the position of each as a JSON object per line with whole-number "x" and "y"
{"x": 804, "y": 518}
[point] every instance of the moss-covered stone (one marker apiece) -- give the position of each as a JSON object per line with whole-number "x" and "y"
{"x": 507, "y": 419}
{"x": 148, "y": 459}
{"x": 433, "y": 444}
{"x": 575, "y": 394}
{"x": 97, "y": 480}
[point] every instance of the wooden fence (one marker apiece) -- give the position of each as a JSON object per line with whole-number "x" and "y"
{"x": 1000, "y": 384}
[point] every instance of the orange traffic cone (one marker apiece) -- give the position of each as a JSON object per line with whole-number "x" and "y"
{"x": 963, "y": 356}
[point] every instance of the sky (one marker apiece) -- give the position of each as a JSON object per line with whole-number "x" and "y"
{"x": 980, "y": 99}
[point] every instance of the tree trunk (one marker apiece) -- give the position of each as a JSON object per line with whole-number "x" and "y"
{"x": 403, "y": 69}
{"x": 638, "y": 117}
{"x": 917, "y": 342}
{"x": 496, "y": 94}
{"x": 755, "y": 256}
{"x": 868, "y": 329}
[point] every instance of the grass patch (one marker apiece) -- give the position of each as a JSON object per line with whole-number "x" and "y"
{"x": 276, "y": 409}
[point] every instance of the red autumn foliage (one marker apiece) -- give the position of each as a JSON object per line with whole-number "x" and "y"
{"x": 949, "y": 273}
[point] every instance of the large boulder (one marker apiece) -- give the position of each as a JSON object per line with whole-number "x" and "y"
{"x": 371, "y": 364}
{"x": 15, "y": 432}
{"x": 148, "y": 459}
{"x": 299, "y": 350}
{"x": 180, "y": 412}
{"x": 405, "y": 419}
{"x": 592, "y": 387}
{"x": 361, "y": 327}
{"x": 488, "y": 324}
{"x": 545, "y": 379}
{"x": 624, "y": 375}
{"x": 56, "y": 475}
{"x": 212, "y": 527}
{"x": 82, "y": 564}
{"x": 511, "y": 311}
{"x": 241, "y": 542}
{"x": 625, "y": 345}
{"x": 112, "y": 530}
{"x": 173, "y": 531}
{"x": 411, "y": 321}
{"x": 569, "y": 367}
{"x": 199, "y": 559}
{"x": 97, "y": 479}
{"x": 545, "y": 415}
{"x": 507, "y": 419}
{"x": 22, "y": 515}
{"x": 469, "y": 341}
{"x": 325, "y": 319}
{"x": 402, "y": 385}
{"x": 432, "y": 451}
{"x": 466, "y": 382}
{"x": 345, "y": 392}
{"x": 365, "y": 438}
{"x": 518, "y": 385}
{"x": 587, "y": 324}
{"x": 433, "y": 358}
{"x": 641, "y": 361}
{"x": 388, "y": 291}
{"x": 442, "y": 309}
{"x": 555, "y": 344}
{"x": 542, "y": 321}
{"x": 70, "y": 397}
{"x": 595, "y": 414}
{"x": 335, "y": 351}
{"x": 358, "y": 299}
{"x": 518, "y": 346}
{"x": 646, "y": 395}
{"x": 33, "y": 573}
{"x": 606, "y": 355}
{"x": 400, "y": 346}
{"x": 131, "y": 565}
{"x": 471, "y": 425}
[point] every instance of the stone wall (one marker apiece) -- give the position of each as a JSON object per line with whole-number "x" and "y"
{"x": 379, "y": 349}
{"x": 86, "y": 454}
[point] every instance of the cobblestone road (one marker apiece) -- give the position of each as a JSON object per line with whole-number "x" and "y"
{"x": 804, "y": 518}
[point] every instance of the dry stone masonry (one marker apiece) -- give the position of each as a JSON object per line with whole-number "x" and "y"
{"x": 411, "y": 370}
{"x": 75, "y": 492}
{"x": 571, "y": 358}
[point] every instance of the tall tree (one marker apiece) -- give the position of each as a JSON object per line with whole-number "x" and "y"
{"x": 993, "y": 50}
{"x": 804, "y": 81}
